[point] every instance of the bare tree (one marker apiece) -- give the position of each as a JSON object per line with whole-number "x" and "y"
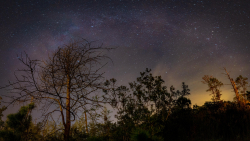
{"x": 67, "y": 82}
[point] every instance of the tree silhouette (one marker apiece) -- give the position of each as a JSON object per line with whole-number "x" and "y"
{"x": 183, "y": 102}
{"x": 241, "y": 83}
{"x": 240, "y": 101}
{"x": 19, "y": 126}
{"x": 146, "y": 103}
{"x": 69, "y": 80}
{"x": 213, "y": 86}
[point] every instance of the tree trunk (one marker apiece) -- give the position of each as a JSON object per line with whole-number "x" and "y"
{"x": 67, "y": 127}
{"x": 234, "y": 86}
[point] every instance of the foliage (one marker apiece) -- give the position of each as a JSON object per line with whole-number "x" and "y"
{"x": 19, "y": 126}
{"x": 213, "y": 86}
{"x": 52, "y": 131}
{"x": 146, "y": 110}
{"x": 139, "y": 134}
{"x": 223, "y": 119}
{"x": 79, "y": 126}
{"x": 146, "y": 103}
{"x": 241, "y": 83}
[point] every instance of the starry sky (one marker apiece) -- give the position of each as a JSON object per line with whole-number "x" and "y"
{"x": 181, "y": 40}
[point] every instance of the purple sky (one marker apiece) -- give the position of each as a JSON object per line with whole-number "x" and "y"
{"x": 180, "y": 40}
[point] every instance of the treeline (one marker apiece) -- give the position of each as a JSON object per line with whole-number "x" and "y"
{"x": 147, "y": 110}
{"x": 70, "y": 92}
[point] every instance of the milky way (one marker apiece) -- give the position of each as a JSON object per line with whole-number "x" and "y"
{"x": 180, "y": 40}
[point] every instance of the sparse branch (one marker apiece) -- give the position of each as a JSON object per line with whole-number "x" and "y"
{"x": 66, "y": 81}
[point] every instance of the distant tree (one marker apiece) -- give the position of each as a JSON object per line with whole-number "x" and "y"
{"x": 99, "y": 129}
{"x": 80, "y": 125}
{"x": 238, "y": 99}
{"x": 146, "y": 104}
{"x": 69, "y": 80}
{"x": 107, "y": 122}
{"x": 213, "y": 86}
{"x": 19, "y": 126}
{"x": 79, "y": 130}
{"x": 185, "y": 90}
{"x": 52, "y": 131}
{"x": 241, "y": 83}
{"x": 93, "y": 124}
{"x": 183, "y": 102}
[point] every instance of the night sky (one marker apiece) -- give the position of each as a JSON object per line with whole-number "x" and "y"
{"x": 180, "y": 40}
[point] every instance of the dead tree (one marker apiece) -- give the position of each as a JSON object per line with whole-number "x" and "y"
{"x": 67, "y": 82}
{"x": 234, "y": 86}
{"x": 241, "y": 101}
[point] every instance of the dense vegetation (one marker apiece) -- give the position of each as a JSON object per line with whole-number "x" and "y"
{"x": 147, "y": 110}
